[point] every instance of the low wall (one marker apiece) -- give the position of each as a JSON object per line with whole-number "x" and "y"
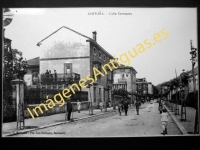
{"x": 57, "y": 109}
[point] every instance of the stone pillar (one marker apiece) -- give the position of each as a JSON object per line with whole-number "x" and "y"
{"x": 18, "y": 97}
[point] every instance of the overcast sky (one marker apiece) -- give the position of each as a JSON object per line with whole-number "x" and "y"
{"x": 115, "y": 33}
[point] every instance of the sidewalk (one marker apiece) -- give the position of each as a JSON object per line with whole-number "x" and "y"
{"x": 186, "y": 127}
{"x": 46, "y": 121}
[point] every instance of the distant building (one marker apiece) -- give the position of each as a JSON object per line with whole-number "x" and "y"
{"x": 150, "y": 88}
{"x": 125, "y": 78}
{"x": 143, "y": 87}
{"x": 32, "y": 74}
{"x": 33, "y": 65}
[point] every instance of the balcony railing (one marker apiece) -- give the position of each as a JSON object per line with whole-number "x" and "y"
{"x": 122, "y": 81}
{"x": 52, "y": 78}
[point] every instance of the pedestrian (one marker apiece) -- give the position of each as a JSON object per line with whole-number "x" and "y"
{"x": 126, "y": 107}
{"x": 137, "y": 105}
{"x": 78, "y": 106}
{"x": 160, "y": 107}
{"x": 101, "y": 105}
{"x": 119, "y": 107}
{"x": 164, "y": 121}
{"x": 55, "y": 75}
{"x": 47, "y": 75}
{"x": 50, "y": 76}
{"x": 69, "y": 109}
{"x": 114, "y": 105}
{"x": 122, "y": 104}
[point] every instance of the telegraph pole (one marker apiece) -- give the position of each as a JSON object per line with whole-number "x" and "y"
{"x": 177, "y": 102}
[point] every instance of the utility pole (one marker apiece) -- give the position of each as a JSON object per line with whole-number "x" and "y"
{"x": 194, "y": 55}
{"x": 177, "y": 102}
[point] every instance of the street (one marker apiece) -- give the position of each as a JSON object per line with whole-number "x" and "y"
{"x": 147, "y": 123}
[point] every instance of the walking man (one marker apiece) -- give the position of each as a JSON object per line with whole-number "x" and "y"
{"x": 160, "y": 107}
{"x": 119, "y": 108}
{"x": 137, "y": 105}
{"x": 122, "y": 104}
{"x": 126, "y": 107}
{"x": 69, "y": 109}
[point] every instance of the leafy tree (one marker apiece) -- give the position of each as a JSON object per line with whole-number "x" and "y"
{"x": 13, "y": 67}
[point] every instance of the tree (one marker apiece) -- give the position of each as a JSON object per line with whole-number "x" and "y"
{"x": 13, "y": 67}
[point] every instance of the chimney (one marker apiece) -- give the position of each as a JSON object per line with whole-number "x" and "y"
{"x": 94, "y": 36}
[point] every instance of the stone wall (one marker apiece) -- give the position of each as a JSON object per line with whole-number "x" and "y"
{"x": 55, "y": 110}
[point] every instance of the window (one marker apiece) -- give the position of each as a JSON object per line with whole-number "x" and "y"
{"x": 104, "y": 57}
{"x": 97, "y": 66}
{"x": 100, "y": 54}
{"x": 94, "y": 50}
{"x": 67, "y": 68}
{"x": 126, "y": 75}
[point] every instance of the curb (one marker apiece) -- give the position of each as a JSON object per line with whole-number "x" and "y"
{"x": 180, "y": 126}
{"x": 54, "y": 124}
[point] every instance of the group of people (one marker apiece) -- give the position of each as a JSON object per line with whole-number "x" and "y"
{"x": 101, "y": 105}
{"x": 49, "y": 76}
{"x": 70, "y": 108}
{"x": 123, "y": 106}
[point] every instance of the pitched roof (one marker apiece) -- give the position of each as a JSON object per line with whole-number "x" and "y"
{"x": 34, "y": 61}
{"x": 126, "y": 67}
{"x": 89, "y": 39}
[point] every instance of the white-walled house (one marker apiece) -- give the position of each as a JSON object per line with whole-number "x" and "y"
{"x": 68, "y": 51}
{"x": 125, "y": 77}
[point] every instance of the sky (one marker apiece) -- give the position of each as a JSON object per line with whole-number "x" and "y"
{"x": 116, "y": 33}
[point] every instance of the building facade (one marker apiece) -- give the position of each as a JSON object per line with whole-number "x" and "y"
{"x": 33, "y": 69}
{"x": 68, "y": 51}
{"x": 143, "y": 88}
{"x": 125, "y": 78}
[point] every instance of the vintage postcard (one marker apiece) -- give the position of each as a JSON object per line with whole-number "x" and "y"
{"x": 100, "y": 72}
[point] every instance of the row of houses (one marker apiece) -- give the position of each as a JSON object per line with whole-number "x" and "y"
{"x": 68, "y": 52}
{"x": 183, "y": 91}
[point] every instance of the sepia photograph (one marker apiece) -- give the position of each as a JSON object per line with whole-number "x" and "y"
{"x": 100, "y": 72}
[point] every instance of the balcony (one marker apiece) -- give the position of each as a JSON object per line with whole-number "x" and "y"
{"x": 122, "y": 81}
{"x": 59, "y": 79}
